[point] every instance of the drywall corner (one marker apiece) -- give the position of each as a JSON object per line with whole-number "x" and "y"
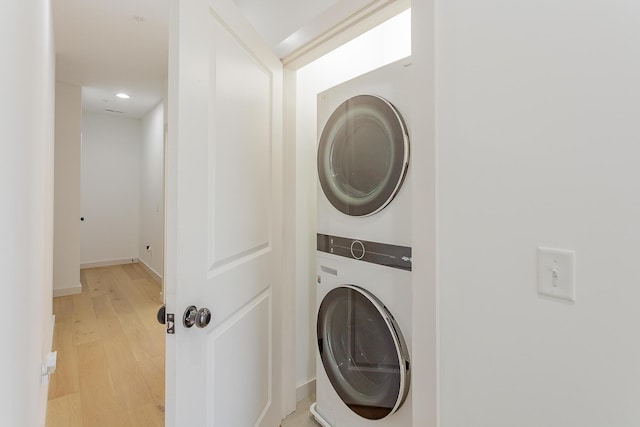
{"x": 157, "y": 277}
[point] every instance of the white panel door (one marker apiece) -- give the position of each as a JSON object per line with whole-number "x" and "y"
{"x": 224, "y": 210}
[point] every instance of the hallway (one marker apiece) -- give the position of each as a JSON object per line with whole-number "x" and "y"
{"x": 110, "y": 352}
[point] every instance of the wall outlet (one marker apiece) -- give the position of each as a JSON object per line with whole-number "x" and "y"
{"x": 49, "y": 366}
{"x": 556, "y": 273}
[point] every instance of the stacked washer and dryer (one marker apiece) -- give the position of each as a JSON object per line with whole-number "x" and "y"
{"x": 364, "y": 252}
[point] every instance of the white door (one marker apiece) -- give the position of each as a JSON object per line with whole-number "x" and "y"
{"x": 224, "y": 210}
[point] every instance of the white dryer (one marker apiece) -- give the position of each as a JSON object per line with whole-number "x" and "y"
{"x": 364, "y": 338}
{"x": 364, "y": 180}
{"x": 364, "y": 252}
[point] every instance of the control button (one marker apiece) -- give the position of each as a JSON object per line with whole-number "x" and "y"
{"x": 357, "y": 249}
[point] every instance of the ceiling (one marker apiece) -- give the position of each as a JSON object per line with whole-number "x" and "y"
{"x": 112, "y": 46}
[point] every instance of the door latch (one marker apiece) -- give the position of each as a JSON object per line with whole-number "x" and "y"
{"x": 171, "y": 326}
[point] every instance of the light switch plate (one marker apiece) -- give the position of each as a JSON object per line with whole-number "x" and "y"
{"x": 556, "y": 273}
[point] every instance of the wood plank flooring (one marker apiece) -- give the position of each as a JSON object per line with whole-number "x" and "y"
{"x": 110, "y": 352}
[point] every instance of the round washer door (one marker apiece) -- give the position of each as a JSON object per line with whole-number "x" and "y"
{"x": 363, "y": 155}
{"x": 363, "y": 352}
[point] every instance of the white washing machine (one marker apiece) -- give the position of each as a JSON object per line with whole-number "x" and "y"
{"x": 364, "y": 252}
{"x": 364, "y": 182}
{"x": 364, "y": 337}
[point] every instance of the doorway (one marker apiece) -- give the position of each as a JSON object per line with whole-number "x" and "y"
{"x": 111, "y": 349}
{"x": 386, "y": 43}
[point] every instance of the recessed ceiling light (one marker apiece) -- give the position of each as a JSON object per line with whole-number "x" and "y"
{"x": 123, "y": 96}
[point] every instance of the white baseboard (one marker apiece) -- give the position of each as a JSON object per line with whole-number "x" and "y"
{"x": 63, "y": 292}
{"x": 305, "y": 390}
{"x": 151, "y": 271}
{"x": 109, "y": 263}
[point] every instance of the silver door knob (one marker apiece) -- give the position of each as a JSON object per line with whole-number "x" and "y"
{"x": 203, "y": 318}
{"x": 193, "y": 316}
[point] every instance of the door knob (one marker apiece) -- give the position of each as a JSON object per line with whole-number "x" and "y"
{"x": 203, "y": 318}
{"x": 162, "y": 314}
{"x": 193, "y": 316}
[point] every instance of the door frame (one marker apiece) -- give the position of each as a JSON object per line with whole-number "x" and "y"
{"x": 373, "y": 14}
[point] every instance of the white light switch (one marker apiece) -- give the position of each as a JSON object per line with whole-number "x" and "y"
{"x": 556, "y": 273}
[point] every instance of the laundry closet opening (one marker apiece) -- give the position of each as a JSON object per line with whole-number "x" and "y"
{"x": 384, "y": 44}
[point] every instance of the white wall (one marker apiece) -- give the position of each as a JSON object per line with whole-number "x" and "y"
{"x": 538, "y": 145}
{"x": 27, "y": 79}
{"x": 152, "y": 190}
{"x": 110, "y": 196}
{"x": 66, "y": 244}
{"x": 382, "y": 45}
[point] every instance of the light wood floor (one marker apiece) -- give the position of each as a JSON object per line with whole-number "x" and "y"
{"x": 110, "y": 352}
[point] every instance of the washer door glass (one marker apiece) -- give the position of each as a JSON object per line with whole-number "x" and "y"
{"x": 363, "y": 352}
{"x": 363, "y": 155}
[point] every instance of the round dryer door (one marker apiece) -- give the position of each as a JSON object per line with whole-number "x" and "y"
{"x": 363, "y": 155}
{"x": 363, "y": 352}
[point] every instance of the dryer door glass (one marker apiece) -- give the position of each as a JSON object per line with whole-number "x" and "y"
{"x": 363, "y": 352}
{"x": 363, "y": 155}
